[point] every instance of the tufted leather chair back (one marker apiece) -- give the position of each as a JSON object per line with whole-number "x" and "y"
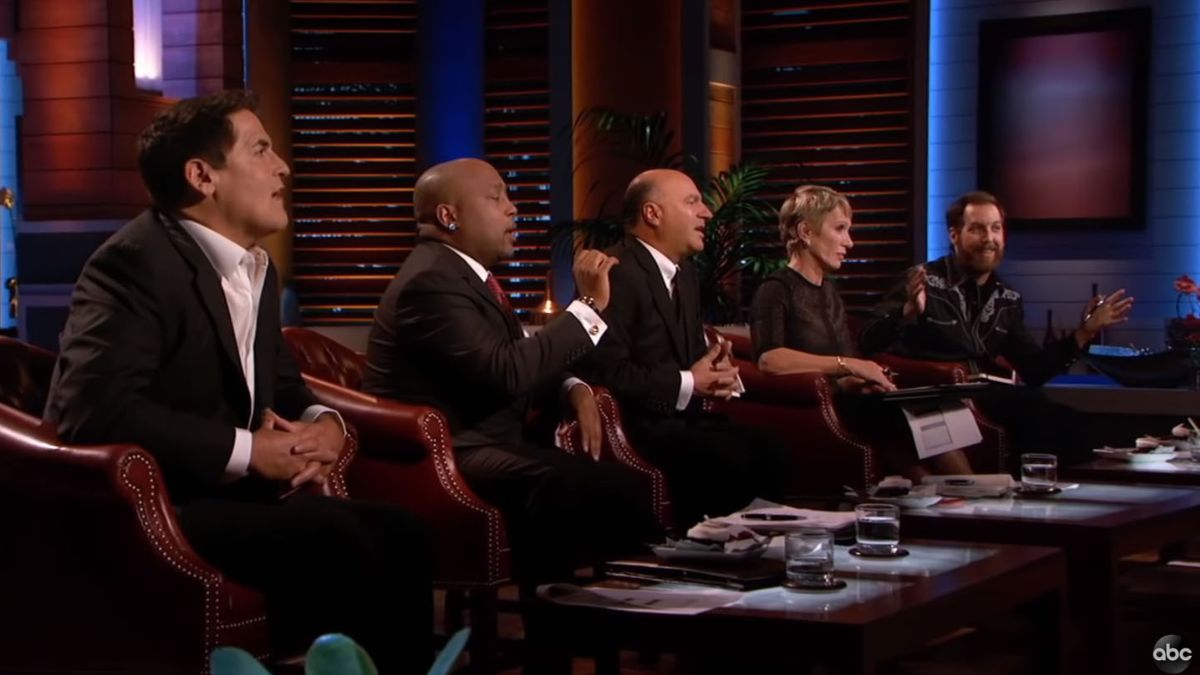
{"x": 326, "y": 358}
{"x": 24, "y": 376}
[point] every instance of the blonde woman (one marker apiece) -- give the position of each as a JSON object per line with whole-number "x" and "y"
{"x": 799, "y": 321}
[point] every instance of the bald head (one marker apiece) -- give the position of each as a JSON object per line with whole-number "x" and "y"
{"x": 663, "y": 208}
{"x": 443, "y": 184}
{"x": 464, "y": 203}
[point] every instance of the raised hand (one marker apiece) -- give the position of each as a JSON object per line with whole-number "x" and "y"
{"x": 591, "y": 275}
{"x": 1104, "y": 311}
{"x": 914, "y": 306}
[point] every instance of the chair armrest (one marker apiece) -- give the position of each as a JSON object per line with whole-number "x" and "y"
{"x": 383, "y": 428}
{"x": 797, "y": 389}
{"x": 616, "y": 447}
{"x": 406, "y": 458}
{"x": 97, "y": 533}
{"x": 915, "y": 373}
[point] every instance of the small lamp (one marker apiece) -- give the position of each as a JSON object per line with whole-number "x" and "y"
{"x": 546, "y": 311}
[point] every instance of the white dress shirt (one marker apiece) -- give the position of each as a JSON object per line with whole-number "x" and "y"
{"x": 242, "y": 272}
{"x": 588, "y": 318}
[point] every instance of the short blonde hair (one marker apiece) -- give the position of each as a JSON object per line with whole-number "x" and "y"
{"x": 807, "y": 204}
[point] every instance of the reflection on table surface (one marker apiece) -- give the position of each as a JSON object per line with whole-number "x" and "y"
{"x": 1089, "y": 500}
{"x": 777, "y": 599}
{"x": 923, "y": 560}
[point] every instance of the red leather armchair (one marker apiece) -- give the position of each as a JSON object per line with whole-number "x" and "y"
{"x": 799, "y": 410}
{"x": 618, "y": 449}
{"x": 98, "y": 576}
{"x": 407, "y": 459}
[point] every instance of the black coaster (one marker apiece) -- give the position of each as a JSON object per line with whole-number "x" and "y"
{"x": 1022, "y": 491}
{"x": 858, "y": 552}
{"x": 835, "y": 585}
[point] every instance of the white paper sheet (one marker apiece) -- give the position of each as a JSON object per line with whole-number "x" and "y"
{"x": 658, "y": 599}
{"x": 948, "y": 426}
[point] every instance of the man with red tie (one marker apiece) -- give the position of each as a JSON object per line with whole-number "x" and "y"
{"x": 445, "y": 336}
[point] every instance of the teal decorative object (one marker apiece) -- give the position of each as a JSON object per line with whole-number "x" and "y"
{"x": 449, "y": 655}
{"x": 333, "y": 654}
{"x": 234, "y": 661}
{"x": 337, "y": 654}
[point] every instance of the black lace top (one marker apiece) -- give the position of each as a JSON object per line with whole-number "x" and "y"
{"x": 790, "y": 311}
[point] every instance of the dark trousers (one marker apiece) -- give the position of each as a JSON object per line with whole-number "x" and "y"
{"x": 562, "y": 512}
{"x": 713, "y": 467}
{"x": 327, "y": 565}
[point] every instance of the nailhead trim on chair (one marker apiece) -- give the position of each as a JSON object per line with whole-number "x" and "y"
{"x": 615, "y": 435}
{"x": 153, "y": 525}
{"x": 434, "y": 430}
{"x": 825, "y": 393}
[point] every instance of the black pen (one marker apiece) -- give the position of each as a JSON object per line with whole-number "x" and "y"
{"x": 1098, "y": 306}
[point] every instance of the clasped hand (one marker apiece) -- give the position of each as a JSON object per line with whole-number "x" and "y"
{"x": 714, "y": 374}
{"x": 297, "y": 452}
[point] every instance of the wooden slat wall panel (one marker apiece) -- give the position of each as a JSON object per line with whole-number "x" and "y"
{"x": 354, "y": 156}
{"x": 828, "y": 98}
{"x": 517, "y": 136}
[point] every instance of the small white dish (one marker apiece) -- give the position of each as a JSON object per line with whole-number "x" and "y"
{"x": 1133, "y": 457}
{"x": 910, "y": 501}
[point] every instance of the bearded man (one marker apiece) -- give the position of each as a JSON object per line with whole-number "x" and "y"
{"x": 956, "y": 308}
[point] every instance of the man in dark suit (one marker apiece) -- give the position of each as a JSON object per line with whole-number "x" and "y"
{"x": 445, "y": 336}
{"x": 173, "y": 343}
{"x": 655, "y": 359}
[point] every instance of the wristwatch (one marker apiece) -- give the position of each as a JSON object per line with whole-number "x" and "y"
{"x": 590, "y": 302}
{"x": 842, "y": 367}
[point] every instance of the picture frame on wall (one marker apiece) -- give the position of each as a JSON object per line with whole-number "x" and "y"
{"x": 1063, "y": 119}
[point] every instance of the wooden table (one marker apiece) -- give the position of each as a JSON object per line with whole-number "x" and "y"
{"x": 1097, "y": 525}
{"x": 888, "y": 609}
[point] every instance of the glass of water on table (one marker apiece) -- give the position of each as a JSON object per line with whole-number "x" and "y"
{"x": 1039, "y": 472}
{"x": 808, "y": 560}
{"x": 877, "y": 529}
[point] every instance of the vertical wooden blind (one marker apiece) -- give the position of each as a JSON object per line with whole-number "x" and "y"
{"x": 353, "y": 147}
{"x": 517, "y": 136}
{"x": 827, "y": 98}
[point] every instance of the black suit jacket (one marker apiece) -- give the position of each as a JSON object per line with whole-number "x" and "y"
{"x": 647, "y": 343}
{"x": 148, "y": 356}
{"x": 442, "y": 339}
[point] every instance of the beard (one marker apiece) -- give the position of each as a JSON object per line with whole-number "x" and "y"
{"x": 976, "y": 262}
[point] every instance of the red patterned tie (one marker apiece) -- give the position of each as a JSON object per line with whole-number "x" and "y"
{"x": 494, "y": 287}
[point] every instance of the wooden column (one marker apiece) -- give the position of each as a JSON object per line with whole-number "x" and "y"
{"x": 202, "y": 44}
{"x": 268, "y": 55}
{"x": 82, "y": 111}
{"x": 626, "y": 56}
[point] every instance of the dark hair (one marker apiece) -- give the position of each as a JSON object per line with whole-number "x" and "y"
{"x": 193, "y": 128}
{"x": 958, "y": 209}
{"x": 636, "y": 195}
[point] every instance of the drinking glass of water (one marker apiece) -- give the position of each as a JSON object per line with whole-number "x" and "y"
{"x": 878, "y": 529}
{"x": 1039, "y": 472}
{"x": 808, "y": 555}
